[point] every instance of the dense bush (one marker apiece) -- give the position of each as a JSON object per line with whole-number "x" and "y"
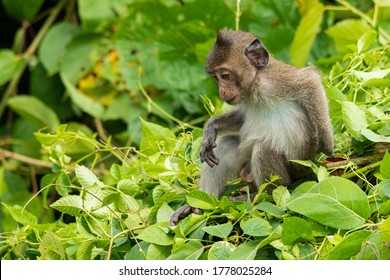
{"x": 102, "y": 108}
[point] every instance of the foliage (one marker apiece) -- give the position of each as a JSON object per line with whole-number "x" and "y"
{"x": 108, "y": 120}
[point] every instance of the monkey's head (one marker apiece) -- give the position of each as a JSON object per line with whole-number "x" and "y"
{"x": 233, "y": 62}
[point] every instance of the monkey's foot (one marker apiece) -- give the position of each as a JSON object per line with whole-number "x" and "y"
{"x": 183, "y": 212}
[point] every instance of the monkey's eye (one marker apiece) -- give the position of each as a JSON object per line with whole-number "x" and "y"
{"x": 225, "y": 76}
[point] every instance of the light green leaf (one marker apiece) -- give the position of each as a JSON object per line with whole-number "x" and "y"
{"x": 349, "y": 246}
{"x": 86, "y": 177}
{"x": 367, "y": 76}
{"x": 347, "y": 32}
{"x": 295, "y": 230}
{"x": 270, "y": 208}
{"x": 366, "y": 41}
{"x": 34, "y": 110}
{"x": 222, "y": 230}
{"x": 51, "y": 248}
{"x": 374, "y": 137}
{"x": 52, "y": 48}
{"x": 201, "y": 200}
{"x": 385, "y": 230}
{"x": 71, "y": 204}
{"x": 85, "y": 249}
{"x": 385, "y": 166}
{"x": 221, "y": 250}
{"x": 257, "y": 227}
{"x": 335, "y": 202}
{"x": 156, "y": 235}
{"x": 305, "y": 34}
{"x": 10, "y": 64}
{"x": 84, "y": 102}
{"x": 245, "y": 251}
{"x": 280, "y": 196}
{"x": 95, "y": 14}
{"x": 23, "y": 217}
{"x": 354, "y": 119}
{"x": 155, "y": 138}
{"x": 189, "y": 251}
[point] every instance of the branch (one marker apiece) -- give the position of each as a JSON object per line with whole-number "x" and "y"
{"x": 25, "y": 159}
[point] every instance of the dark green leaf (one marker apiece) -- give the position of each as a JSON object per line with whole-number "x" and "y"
{"x": 190, "y": 251}
{"x": 334, "y": 202}
{"x": 257, "y": 227}
{"x": 295, "y": 230}
{"x": 222, "y": 230}
{"x": 349, "y": 246}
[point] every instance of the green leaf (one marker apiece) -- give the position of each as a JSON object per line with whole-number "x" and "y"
{"x": 248, "y": 250}
{"x": 270, "y": 208}
{"x": 257, "y": 227}
{"x": 84, "y": 102}
{"x": 354, "y": 119}
{"x": 385, "y": 166}
{"x": 335, "y": 202}
{"x": 305, "y": 34}
{"x": 156, "y": 235}
{"x": 53, "y": 46}
{"x": 385, "y": 230}
{"x": 86, "y": 177}
{"x": 189, "y": 251}
{"x": 23, "y": 217}
{"x": 221, "y": 250}
{"x": 34, "y": 110}
{"x": 51, "y": 248}
{"x": 21, "y": 9}
{"x": 245, "y": 251}
{"x": 295, "y": 230}
{"x": 158, "y": 252}
{"x": 367, "y": 76}
{"x": 10, "y": 64}
{"x": 347, "y": 32}
{"x": 281, "y": 195}
{"x": 366, "y": 41}
{"x": 374, "y": 137}
{"x": 349, "y": 246}
{"x": 95, "y": 14}
{"x": 71, "y": 204}
{"x": 85, "y": 249}
{"x": 222, "y": 230}
{"x": 155, "y": 138}
{"x": 201, "y": 200}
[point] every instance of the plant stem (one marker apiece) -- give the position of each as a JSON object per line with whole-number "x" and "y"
{"x": 28, "y": 53}
{"x": 361, "y": 170}
{"x": 238, "y": 14}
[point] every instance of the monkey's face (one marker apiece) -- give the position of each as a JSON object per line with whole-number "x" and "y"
{"x": 229, "y": 87}
{"x": 234, "y": 86}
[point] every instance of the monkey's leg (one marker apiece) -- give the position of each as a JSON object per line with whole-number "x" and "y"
{"x": 213, "y": 179}
{"x": 266, "y": 162}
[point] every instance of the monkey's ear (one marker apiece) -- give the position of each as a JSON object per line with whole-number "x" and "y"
{"x": 257, "y": 54}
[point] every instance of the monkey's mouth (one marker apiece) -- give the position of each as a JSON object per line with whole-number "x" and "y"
{"x": 232, "y": 101}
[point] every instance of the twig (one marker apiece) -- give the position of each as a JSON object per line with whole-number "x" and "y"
{"x": 25, "y": 159}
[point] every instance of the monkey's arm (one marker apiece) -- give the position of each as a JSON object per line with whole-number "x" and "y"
{"x": 228, "y": 122}
{"x": 316, "y": 106}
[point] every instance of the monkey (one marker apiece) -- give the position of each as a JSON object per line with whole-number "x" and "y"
{"x": 280, "y": 113}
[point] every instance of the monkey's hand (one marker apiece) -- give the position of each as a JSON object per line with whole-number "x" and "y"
{"x": 183, "y": 212}
{"x": 206, "y": 152}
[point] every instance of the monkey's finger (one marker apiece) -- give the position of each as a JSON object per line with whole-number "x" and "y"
{"x": 212, "y": 160}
